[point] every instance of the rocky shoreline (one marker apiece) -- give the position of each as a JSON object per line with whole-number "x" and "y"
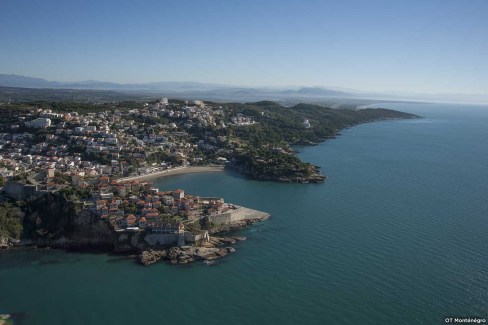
{"x": 234, "y": 226}
{"x": 314, "y": 177}
{"x": 217, "y": 247}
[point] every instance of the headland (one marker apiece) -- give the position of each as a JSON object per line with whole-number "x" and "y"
{"x": 77, "y": 174}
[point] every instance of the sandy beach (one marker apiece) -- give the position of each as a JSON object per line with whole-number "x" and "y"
{"x": 174, "y": 171}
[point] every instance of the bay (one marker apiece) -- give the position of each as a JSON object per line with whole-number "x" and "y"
{"x": 396, "y": 235}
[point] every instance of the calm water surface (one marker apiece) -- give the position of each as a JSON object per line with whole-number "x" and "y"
{"x": 397, "y": 235}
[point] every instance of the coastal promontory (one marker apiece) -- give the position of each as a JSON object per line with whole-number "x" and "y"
{"x": 77, "y": 175}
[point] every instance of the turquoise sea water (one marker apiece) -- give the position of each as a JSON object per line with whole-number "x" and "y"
{"x": 398, "y": 234}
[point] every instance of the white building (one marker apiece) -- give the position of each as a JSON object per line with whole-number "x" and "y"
{"x": 39, "y": 123}
{"x": 198, "y": 103}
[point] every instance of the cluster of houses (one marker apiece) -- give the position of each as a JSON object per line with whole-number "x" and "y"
{"x": 71, "y": 143}
{"x": 242, "y": 120}
{"x": 149, "y": 209}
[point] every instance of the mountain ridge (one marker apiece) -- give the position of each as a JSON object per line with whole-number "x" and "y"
{"x": 13, "y": 80}
{"x": 232, "y": 92}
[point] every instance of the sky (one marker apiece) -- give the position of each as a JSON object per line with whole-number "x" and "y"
{"x": 423, "y": 46}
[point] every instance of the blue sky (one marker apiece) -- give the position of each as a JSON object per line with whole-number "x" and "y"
{"x": 429, "y": 46}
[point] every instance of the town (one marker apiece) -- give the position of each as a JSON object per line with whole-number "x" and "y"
{"x": 79, "y": 173}
{"x": 120, "y": 142}
{"x": 123, "y": 139}
{"x": 99, "y": 162}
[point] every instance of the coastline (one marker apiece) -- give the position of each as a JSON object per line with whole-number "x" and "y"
{"x": 173, "y": 171}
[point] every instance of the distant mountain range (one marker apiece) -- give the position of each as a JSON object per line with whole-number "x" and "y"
{"x": 213, "y": 91}
{"x": 12, "y": 80}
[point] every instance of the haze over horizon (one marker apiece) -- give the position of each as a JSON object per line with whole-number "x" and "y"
{"x": 405, "y": 46}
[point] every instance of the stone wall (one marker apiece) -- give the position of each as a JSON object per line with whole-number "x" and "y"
{"x": 196, "y": 238}
{"x": 237, "y": 215}
{"x": 173, "y": 239}
{"x": 222, "y": 218}
{"x": 161, "y": 239}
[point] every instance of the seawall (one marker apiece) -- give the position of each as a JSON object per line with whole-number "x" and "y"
{"x": 240, "y": 214}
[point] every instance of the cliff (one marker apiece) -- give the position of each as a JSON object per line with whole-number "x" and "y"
{"x": 52, "y": 220}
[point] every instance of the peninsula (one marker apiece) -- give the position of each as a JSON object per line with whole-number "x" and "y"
{"x": 77, "y": 174}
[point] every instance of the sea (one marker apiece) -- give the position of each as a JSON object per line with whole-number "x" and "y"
{"x": 398, "y": 234}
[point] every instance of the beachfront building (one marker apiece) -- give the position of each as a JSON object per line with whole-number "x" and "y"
{"x": 178, "y": 194}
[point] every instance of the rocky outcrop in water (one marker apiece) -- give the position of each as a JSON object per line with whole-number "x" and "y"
{"x": 151, "y": 256}
{"x": 4, "y": 242}
{"x": 217, "y": 247}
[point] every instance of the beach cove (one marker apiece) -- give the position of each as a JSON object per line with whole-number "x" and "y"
{"x": 173, "y": 171}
